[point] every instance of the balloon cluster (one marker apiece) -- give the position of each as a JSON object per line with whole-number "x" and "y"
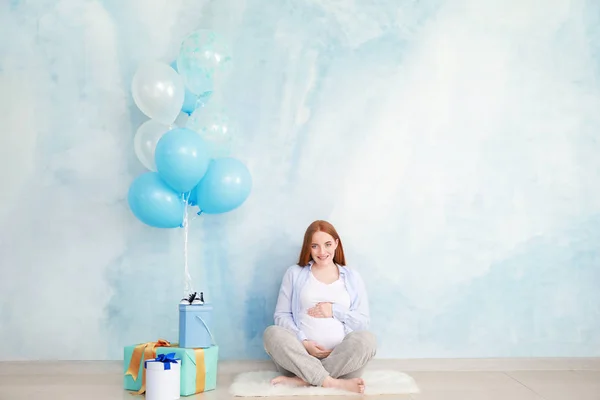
{"x": 188, "y": 163}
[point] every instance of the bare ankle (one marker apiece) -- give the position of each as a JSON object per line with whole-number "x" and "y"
{"x": 356, "y": 385}
{"x": 329, "y": 382}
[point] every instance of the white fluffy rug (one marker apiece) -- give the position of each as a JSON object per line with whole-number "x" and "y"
{"x": 258, "y": 384}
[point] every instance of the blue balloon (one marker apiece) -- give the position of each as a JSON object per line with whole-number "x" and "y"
{"x": 226, "y": 185}
{"x": 154, "y": 203}
{"x": 191, "y": 197}
{"x": 182, "y": 158}
{"x": 191, "y": 101}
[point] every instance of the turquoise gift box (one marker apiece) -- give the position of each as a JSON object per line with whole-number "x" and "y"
{"x": 198, "y": 366}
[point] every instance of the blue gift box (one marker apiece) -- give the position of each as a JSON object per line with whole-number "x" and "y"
{"x": 194, "y": 326}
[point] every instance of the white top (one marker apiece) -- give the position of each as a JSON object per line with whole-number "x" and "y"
{"x": 327, "y": 332}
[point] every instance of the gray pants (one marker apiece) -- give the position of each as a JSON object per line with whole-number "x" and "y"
{"x": 347, "y": 360}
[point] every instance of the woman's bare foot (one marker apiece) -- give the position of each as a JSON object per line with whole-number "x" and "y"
{"x": 356, "y": 385}
{"x": 289, "y": 381}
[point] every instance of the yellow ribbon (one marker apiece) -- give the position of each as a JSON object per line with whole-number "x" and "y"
{"x": 200, "y": 370}
{"x": 145, "y": 351}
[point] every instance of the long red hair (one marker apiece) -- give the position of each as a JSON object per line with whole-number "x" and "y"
{"x": 321, "y": 226}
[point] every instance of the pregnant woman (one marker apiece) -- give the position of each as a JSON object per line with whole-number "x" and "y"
{"x": 320, "y": 336}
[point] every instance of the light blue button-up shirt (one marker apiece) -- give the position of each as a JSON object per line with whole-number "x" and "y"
{"x": 287, "y": 310}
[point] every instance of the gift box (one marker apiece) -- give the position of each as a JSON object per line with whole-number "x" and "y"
{"x": 194, "y": 326}
{"x": 198, "y": 366}
{"x": 163, "y": 376}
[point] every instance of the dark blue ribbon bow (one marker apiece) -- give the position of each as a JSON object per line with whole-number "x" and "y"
{"x": 167, "y": 359}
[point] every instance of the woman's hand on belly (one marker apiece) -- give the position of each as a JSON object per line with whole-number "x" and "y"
{"x": 321, "y": 310}
{"x": 315, "y": 349}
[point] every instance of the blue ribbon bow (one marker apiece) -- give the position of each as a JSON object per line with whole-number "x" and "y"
{"x": 166, "y": 359}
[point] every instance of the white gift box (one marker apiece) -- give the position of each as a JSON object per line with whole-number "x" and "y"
{"x": 162, "y": 379}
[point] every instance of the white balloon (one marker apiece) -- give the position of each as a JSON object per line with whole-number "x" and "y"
{"x": 145, "y": 140}
{"x": 158, "y": 91}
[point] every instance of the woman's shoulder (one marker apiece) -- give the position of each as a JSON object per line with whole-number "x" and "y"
{"x": 351, "y": 271}
{"x": 294, "y": 269}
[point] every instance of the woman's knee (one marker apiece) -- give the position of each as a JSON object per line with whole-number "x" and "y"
{"x": 366, "y": 340}
{"x": 273, "y": 334}
{"x": 269, "y": 334}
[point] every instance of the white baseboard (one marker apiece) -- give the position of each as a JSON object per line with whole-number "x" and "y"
{"x": 491, "y": 364}
{"x": 235, "y": 367}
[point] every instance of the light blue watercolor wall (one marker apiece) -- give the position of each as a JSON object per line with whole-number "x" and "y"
{"x": 454, "y": 144}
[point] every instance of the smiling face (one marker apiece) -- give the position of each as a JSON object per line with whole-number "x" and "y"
{"x": 322, "y": 248}
{"x": 322, "y": 245}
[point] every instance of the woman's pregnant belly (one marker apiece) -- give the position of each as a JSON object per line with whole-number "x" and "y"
{"x": 326, "y": 332}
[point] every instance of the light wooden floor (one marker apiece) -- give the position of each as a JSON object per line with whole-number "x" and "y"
{"x": 508, "y": 379}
